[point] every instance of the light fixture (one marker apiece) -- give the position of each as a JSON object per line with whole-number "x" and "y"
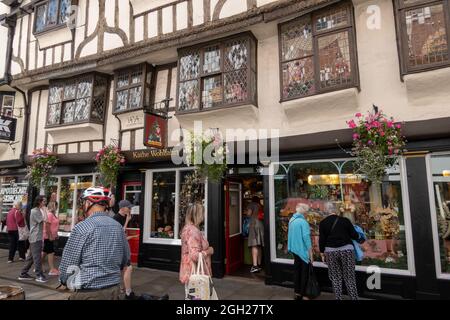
{"x": 446, "y": 173}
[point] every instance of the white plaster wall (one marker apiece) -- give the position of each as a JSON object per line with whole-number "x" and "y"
{"x": 6, "y": 152}
{"x": 42, "y": 118}
{"x": 161, "y": 85}
{"x": 4, "y": 37}
{"x": 124, "y": 17}
{"x": 233, "y": 7}
{"x": 112, "y": 41}
{"x": 153, "y": 24}
{"x": 112, "y": 124}
{"x": 197, "y": 9}
{"x": 23, "y": 44}
{"x": 93, "y": 16}
{"x": 182, "y": 15}
{"x": 67, "y": 51}
{"x": 139, "y": 139}
{"x": 58, "y": 54}
{"x": 35, "y": 98}
{"x": 90, "y": 48}
{"x": 260, "y": 3}
{"x": 110, "y": 6}
{"x": 32, "y": 57}
{"x": 167, "y": 20}
{"x": 139, "y": 29}
{"x": 140, "y": 6}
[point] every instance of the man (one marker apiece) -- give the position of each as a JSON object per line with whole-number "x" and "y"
{"x": 96, "y": 251}
{"x": 124, "y": 217}
{"x": 38, "y": 217}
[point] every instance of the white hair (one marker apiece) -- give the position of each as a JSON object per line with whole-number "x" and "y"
{"x": 17, "y": 203}
{"x": 302, "y": 207}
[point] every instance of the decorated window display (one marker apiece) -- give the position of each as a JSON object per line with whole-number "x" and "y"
{"x": 440, "y": 175}
{"x": 376, "y": 207}
{"x": 217, "y": 74}
{"x": 314, "y": 57}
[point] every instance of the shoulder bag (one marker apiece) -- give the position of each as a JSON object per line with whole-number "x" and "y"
{"x": 24, "y": 233}
{"x": 200, "y": 285}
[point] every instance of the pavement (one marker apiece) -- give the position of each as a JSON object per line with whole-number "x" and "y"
{"x": 151, "y": 281}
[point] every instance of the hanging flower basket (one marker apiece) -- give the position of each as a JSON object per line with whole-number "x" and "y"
{"x": 208, "y": 152}
{"x": 377, "y": 144}
{"x": 42, "y": 164}
{"x": 109, "y": 160}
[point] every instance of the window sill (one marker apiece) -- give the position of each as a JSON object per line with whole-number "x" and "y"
{"x": 53, "y": 36}
{"x": 127, "y": 111}
{"x": 75, "y": 133}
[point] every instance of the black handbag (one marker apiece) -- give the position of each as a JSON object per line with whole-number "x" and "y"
{"x": 312, "y": 289}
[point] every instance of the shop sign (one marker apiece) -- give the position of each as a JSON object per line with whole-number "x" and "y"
{"x": 7, "y": 128}
{"x": 11, "y": 192}
{"x": 145, "y": 155}
{"x": 155, "y": 131}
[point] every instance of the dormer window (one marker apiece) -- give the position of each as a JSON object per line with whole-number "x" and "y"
{"x": 50, "y": 14}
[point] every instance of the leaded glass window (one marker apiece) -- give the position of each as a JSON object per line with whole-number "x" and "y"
{"x": 217, "y": 74}
{"x": 77, "y": 100}
{"x": 317, "y": 53}
{"x": 424, "y": 28}
{"x": 51, "y": 13}
{"x": 130, "y": 88}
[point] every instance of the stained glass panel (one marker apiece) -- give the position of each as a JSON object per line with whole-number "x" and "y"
{"x": 121, "y": 100}
{"x": 41, "y": 17}
{"x": 332, "y": 19}
{"x": 55, "y": 93}
{"x": 64, "y": 10}
{"x": 211, "y": 59}
{"x": 135, "y": 97}
{"x": 70, "y": 90}
{"x": 427, "y": 35}
{"x": 334, "y": 60}
{"x": 122, "y": 80}
{"x": 84, "y": 88}
{"x": 188, "y": 95}
{"x": 189, "y": 66}
{"x": 52, "y": 12}
{"x": 212, "y": 94}
{"x": 54, "y": 113}
{"x": 296, "y": 39}
{"x": 236, "y": 86}
{"x": 136, "y": 77}
{"x": 236, "y": 54}
{"x": 82, "y": 109}
{"x": 298, "y": 78}
{"x": 68, "y": 111}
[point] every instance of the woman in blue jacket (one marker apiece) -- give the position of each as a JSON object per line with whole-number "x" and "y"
{"x": 299, "y": 244}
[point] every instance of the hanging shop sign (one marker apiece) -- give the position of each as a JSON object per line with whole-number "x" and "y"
{"x": 7, "y": 128}
{"x": 155, "y": 131}
{"x": 148, "y": 155}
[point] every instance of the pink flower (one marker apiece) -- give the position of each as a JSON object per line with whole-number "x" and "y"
{"x": 390, "y": 124}
{"x": 398, "y": 126}
{"x": 351, "y": 124}
{"x": 355, "y": 136}
{"x": 358, "y": 115}
{"x": 382, "y": 133}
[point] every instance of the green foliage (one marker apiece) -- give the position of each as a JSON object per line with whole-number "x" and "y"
{"x": 109, "y": 160}
{"x": 43, "y": 163}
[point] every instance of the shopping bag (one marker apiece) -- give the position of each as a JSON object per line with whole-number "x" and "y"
{"x": 24, "y": 233}
{"x": 312, "y": 288}
{"x": 200, "y": 285}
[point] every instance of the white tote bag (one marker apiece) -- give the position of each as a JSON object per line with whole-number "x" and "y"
{"x": 200, "y": 285}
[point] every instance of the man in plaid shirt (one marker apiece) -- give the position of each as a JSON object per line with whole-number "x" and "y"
{"x": 96, "y": 251}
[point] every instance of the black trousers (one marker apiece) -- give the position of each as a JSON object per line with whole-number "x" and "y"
{"x": 301, "y": 269}
{"x": 15, "y": 244}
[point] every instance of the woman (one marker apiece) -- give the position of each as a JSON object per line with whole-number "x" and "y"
{"x": 51, "y": 234}
{"x": 337, "y": 251}
{"x": 299, "y": 244}
{"x": 193, "y": 243}
{"x": 255, "y": 234}
{"x": 14, "y": 220}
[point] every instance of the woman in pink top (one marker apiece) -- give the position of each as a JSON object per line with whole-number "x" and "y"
{"x": 193, "y": 242}
{"x": 14, "y": 220}
{"x": 51, "y": 234}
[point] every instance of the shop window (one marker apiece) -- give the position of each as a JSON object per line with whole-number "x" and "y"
{"x": 218, "y": 74}
{"x": 132, "y": 193}
{"x": 423, "y": 28}
{"x": 132, "y": 88}
{"x": 12, "y": 188}
{"x": 377, "y": 208}
{"x": 172, "y": 191}
{"x": 440, "y": 176}
{"x": 317, "y": 53}
{"x": 77, "y": 100}
{"x": 50, "y": 14}
{"x": 7, "y": 106}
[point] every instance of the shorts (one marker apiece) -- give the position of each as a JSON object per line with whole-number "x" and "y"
{"x": 49, "y": 246}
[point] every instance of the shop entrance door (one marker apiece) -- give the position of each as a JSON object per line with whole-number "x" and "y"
{"x": 233, "y": 226}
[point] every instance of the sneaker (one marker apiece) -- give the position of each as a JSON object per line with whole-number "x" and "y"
{"x": 21, "y": 259}
{"x": 131, "y": 296}
{"x": 10, "y": 261}
{"x": 255, "y": 269}
{"x": 54, "y": 272}
{"x": 41, "y": 279}
{"x": 25, "y": 276}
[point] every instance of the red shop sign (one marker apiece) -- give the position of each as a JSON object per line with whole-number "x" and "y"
{"x": 155, "y": 131}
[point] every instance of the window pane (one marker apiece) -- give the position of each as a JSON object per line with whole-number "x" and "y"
{"x": 440, "y": 169}
{"x": 296, "y": 39}
{"x": 8, "y": 106}
{"x": 41, "y": 17}
{"x": 135, "y": 97}
{"x": 376, "y": 208}
{"x": 82, "y": 109}
{"x": 334, "y": 60}
{"x": 123, "y": 79}
{"x": 212, "y": 92}
{"x": 55, "y": 93}
{"x": 192, "y": 190}
{"x": 122, "y": 100}
{"x": 66, "y": 203}
{"x": 84, "y": 88}
{"x": 163, "y": 205}
{"x": 68, "y": 111}
{"x": 132, "y": 194}
{"x": 236, "y": 54}
{"x": 64, "y": 10}
{"x": 188, "y": 95}
{"x": 54, "y": 113}
{"x": 211, "y": 59}
{"x": 136, "y": 76}
{"x": 70, "y": 90}
{"x": 337, "y": 17}
{"x": 82, "y": 184}
{"x": 98, "y": 105}
{"x": 189, "y": 66}
{"x": 236, "y": 86}
{"x": 427, "y": 35}
{"x": 52, "y": 12}
{"x": 298, "y": 78}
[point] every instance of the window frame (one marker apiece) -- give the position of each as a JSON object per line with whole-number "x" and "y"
{"x": 48, "y": 28}
{"x": 92, "y": 76}
{"x": 316, "y": 35}
{"x": 4, "y": 94}
{"x": 252, "y": 63}
{"x": 400, "y": 9}
{"x": 146, "y": 68}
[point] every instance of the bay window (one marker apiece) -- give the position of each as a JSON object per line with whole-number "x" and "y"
{"x": 217, "y": 74}
{"x": 51, "y": 13}
{"x": 318, "y": 53}
{"x": 77, "y": 100}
